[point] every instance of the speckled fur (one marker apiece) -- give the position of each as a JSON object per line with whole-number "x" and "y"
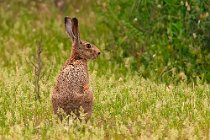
{"x": 72, "y": 91}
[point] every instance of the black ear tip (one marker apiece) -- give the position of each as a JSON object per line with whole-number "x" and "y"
{"x": 75, "y": 20}
{"x": 66, "y": 19}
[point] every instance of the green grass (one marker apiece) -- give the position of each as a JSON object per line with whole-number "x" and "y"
{"x": 126, "y": 105}
{"x": 129, "y": 107}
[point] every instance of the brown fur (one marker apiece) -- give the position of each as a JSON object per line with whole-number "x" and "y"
{"x": 72, "y": 91}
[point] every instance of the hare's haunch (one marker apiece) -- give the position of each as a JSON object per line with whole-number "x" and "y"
{"x": 72, "y": 91}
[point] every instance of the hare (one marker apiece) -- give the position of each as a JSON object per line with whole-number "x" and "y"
{"x": 72, "y": 92}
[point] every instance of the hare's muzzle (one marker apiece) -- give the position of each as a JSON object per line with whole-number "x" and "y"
{"x": 97, "y": 52}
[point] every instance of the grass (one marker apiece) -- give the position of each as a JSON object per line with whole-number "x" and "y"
{"x": 129, "y": 107}
{"x": 126, "y": 106}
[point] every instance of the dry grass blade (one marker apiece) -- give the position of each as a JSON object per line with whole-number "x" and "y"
{"x": 37, "y": 71}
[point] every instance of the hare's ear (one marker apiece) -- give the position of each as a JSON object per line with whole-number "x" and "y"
{"x": 72, "y": 28}
{"x": 75, "y": 29}
{"x": 68, "y": 26}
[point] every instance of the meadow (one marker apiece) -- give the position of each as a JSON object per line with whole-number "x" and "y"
{"x": 132, "y": 99}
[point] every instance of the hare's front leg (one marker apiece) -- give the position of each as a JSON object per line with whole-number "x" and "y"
{"x": 88, "y": 95}
{"x": 87, "y": 102}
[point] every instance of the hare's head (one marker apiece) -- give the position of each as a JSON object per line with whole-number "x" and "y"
{"x": 81, "y": 49}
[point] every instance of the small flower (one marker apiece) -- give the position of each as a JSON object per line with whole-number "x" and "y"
{"x": 159, "y": 6}
{"x": 194, "y": 35}
{"x": 187, "y": 6}
{"x": 135, "y": 19}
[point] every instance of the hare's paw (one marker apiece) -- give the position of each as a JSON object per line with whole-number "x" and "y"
{"x": 88, "y": 95}
{"x": 86, "y": 88}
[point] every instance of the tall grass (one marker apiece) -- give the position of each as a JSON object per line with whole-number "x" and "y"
{"x": 129, "y": 107}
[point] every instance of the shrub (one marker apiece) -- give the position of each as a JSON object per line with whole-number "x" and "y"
{"x": 162, "y": 39}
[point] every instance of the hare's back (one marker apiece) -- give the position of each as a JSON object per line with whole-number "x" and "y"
{"x": 75, "y": 74}
{"x": 72, "y": 78}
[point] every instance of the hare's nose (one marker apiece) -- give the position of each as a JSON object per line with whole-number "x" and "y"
{"x": 99, "y": 53}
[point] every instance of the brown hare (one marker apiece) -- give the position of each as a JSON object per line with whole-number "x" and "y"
{"x": 72, "y": 92}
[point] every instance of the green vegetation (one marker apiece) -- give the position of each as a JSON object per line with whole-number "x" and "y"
{"x": 167, "y": 40}
{"x": 151, "y": 80}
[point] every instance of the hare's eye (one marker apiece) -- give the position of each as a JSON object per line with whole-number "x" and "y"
{"x": 88, "y": 46}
